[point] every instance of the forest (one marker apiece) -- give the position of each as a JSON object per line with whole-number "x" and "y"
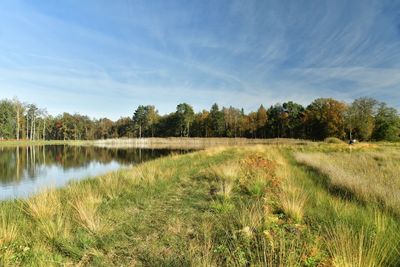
{"x": 365, "y": 119}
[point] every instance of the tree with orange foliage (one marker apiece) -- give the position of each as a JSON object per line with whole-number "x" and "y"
{"x": 324, "y": 117}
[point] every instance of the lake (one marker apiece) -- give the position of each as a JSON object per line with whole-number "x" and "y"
{"x": 27, "y": 170}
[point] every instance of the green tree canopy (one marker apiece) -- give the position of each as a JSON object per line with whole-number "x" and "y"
{"x": 140, "y": 119}
{"x": 387, "y": 124}
{"x": 185, "y": 117}
{"x": 7, "y": 120}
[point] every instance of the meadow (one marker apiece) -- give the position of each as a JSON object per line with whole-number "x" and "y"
{"x": 277, "y": 204}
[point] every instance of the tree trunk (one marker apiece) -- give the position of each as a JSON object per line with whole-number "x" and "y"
{"x": 17, "y": 123}
{"x": 27, "y": 128}
{"x": 44, "y": 130}
{"x": 34, "y": 128}
{"x": 31, "y": 132}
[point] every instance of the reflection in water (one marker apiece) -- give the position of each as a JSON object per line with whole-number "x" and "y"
{"x": 25, "y": 170}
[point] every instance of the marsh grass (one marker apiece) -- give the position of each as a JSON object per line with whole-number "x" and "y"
{"x": 85, "y": 203}
{"x": 224, "y": 177}
{"x": 57, "y": 227}
{"x": 266, "y": 210}
{"x": 43, "y": 206}
{"x": 359, "y": 248}
{"x": 370, "y": 176}
{"x": 146, "y": 173}
{"x": 293, "y": 201}
{"x": 113, "y": 185}
{"x": 8, "y": 230}
{"x": 247, "y": 229}
{"x": 333, "y": 140}
{"x": 358, "y": 229}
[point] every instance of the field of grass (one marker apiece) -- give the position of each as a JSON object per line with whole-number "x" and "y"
{"x": 369, "y": 176}
{"x": 260, "y": 205}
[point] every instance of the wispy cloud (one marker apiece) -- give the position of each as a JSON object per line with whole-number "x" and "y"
{"x": 105, "y": 58}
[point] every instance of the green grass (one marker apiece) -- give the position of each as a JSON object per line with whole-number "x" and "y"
{"x": 234, "y": 206}
{"x": 357, "y": 233}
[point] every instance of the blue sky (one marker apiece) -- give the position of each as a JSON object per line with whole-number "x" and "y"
{"x": 103, "y": 58}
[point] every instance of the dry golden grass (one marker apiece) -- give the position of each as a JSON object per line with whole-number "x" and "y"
{"x": 293, "y": 200}
{"x": 8, "y": 230}
{"x": 113, "y": 184}
{"x": 85, "y": 203}
{"x": 226, "y": 171}
{"x": 225, "y": 176}
{"x": 252, "y": 216}
{"x": 43, "y": 206}
{"x": 350, "y": 248}
{"x": 371, "y": 176}
{"x": 281, "y": 252}
{"x": 146, "y": 173}
{"x": 212, "y": 151}
{"x": 55, "y": 228}
{"x": 193, "y": 142}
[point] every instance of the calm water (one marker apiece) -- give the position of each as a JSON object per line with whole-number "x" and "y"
{"x": 26, "y": 170}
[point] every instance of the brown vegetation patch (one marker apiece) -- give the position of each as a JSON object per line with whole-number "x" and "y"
{"x": 258, "y": 164}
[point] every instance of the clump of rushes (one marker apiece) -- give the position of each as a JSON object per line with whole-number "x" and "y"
{"x": 57, "y": 227}
{"x": 224, "y": 177}
{"x": 85, "y": 204}
{"x": 293, "y": 200}
{"x": 146, "y": 173}
{"x": 113, "y": 184}
{"x": 43, "y": 206}
{"x": 8, "y": 230}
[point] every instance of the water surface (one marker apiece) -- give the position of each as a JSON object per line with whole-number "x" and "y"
{"x": 27, "y": 170}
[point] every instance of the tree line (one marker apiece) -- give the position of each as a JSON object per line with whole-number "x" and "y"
{"x": 364, "y": 119}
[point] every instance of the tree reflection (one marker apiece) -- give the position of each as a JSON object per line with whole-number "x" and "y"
{"x": 28, "y": 162}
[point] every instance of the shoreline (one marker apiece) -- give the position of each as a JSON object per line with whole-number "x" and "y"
{"x": 155, "y": 142}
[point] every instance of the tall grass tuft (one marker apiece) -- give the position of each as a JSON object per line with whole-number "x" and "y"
{"x": 293, "y": 201}
{"x": 58, "y": 227}
{"x": 8, "y": 230}
{"x": 146, "y": 173}
{"x": 363, "y": 248}
{"x": 85, "y": 204}
{"x": 225, "y": 176}
{"x": 43, "y": 206}
{"x": 112, "y": 185}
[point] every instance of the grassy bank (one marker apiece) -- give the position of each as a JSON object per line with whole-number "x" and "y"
{"x": 262, "y": 205}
